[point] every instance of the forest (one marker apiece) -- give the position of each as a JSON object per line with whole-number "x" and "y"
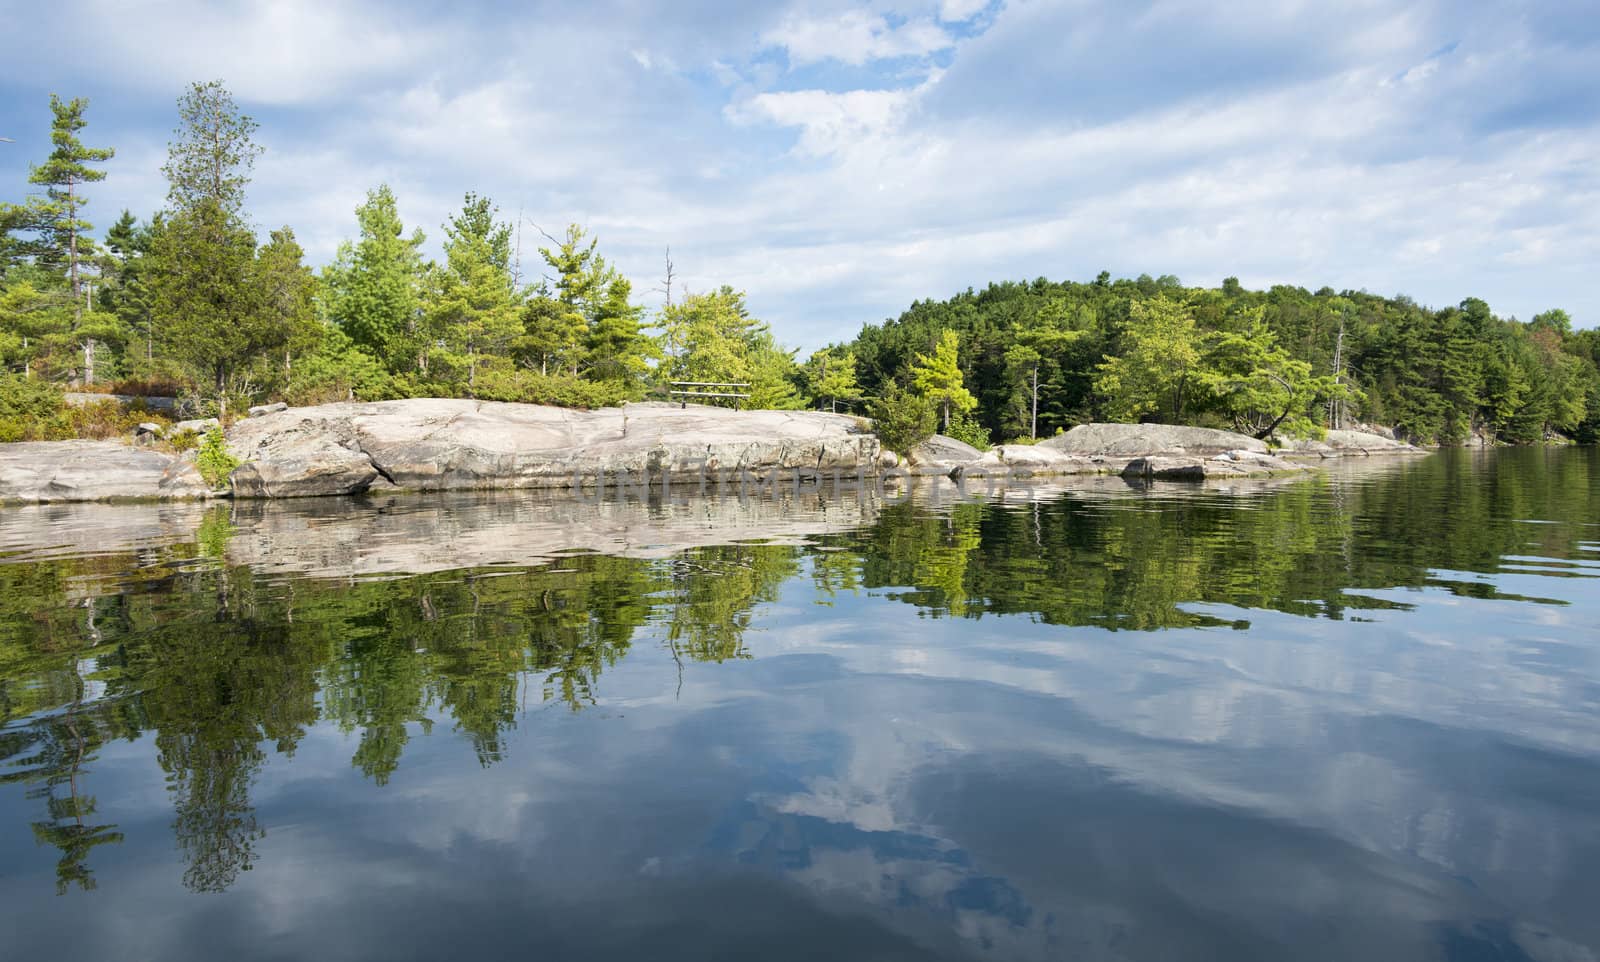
{"x": 194, "y": 301}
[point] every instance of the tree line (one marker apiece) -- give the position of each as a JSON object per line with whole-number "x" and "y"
{"x": 1019, "y": 360}
{"x": 194, "y": 300}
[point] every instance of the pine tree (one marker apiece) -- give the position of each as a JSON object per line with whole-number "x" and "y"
{"x": 58, "y": 244}
{"x": 374, "y": 285}
{"x": 471, "y": 304}
{"x": 618, "y": 348}
{"x": 938, "y": 378}
{"x": 210, "y": 161}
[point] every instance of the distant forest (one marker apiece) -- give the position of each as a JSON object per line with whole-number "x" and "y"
{"x": 193, "y": 301}
{"x": 1153, "y": 349}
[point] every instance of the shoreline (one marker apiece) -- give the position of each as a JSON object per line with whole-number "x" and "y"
{"x": 422, "y": 445}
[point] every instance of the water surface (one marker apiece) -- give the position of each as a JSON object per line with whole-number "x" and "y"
{"x": 1347, "y": 716}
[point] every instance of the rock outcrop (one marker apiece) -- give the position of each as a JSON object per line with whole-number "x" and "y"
{"x": 1340, "y": 444}
{"x": 940, "y": 454}
{"x": 435, "y": 445}
{"x": 1150, "y": 440}
{"x": 93, "y": 471}
{"x": 1229, "y": 464}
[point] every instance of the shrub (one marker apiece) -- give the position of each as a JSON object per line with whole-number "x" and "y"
{"x": 965, "y": 427}
{"x": 561, "y": 390}
{"x": 214, "y": 461}
{"x": 31, "y": 410}
{"x": 902, "y": 420}
{"x": 185, "y": 440}
{"x": 339, "y": 371}
{"x": 108, "y": 419}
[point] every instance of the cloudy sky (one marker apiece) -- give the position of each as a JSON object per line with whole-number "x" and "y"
{"x": 838, "y": 160}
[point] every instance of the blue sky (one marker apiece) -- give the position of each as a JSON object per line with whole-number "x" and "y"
{"x": 837, "y": 161}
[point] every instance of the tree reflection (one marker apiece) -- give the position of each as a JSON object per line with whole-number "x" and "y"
{"x": 224, "y": 667}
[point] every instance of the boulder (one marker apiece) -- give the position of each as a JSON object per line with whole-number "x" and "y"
{"x": 940, "y": 454}
{"x": 1204, "y": 469}
{"x": 197, "y": 425}
{"x": 312, "y": 457}
{"x": 1040, "y": 459}
{"x": 1361, "y": 442}
{"x": 93, "y": 471}
{"x": 1149, "y": 440}
{"x": 1174, "y": 469}
{"x": 261, "y": 409}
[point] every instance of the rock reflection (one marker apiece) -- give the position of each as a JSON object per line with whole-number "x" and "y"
{"x": 224, "y": 635}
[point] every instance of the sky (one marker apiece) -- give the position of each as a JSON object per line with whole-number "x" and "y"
{"x": 839, "y": 161}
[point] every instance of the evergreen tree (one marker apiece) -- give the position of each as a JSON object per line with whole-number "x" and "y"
{"x": 374, "y": 285}
{"x": 472, "y": 305}
{"x": 832, "y": 377}
{"x": 938, "y": 378}
{"x": 618, "y": 349}
{"x": 209, "y": 163}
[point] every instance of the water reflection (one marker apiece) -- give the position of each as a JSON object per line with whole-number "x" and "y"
{"x": 1367, "y": 726}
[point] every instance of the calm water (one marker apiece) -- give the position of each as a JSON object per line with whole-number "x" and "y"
{"x": 1355, "y": 716}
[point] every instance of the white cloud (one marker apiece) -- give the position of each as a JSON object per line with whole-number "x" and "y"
{"x": 270, "y": 51}
{"x": 855, "y": 37}
{"x": 830, "y": 122}
{"x": 882, "y": 181}
{"x": 956, "y": 11}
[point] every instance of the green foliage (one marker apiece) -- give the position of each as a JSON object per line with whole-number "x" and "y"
{"x": 1043, "y": 356}
{"x": 471, "y": 306}
{"x": 965, "y": 427}
{"x": 1157, "y": 373}
{"x": 212, "y": 153}
{"x": 831, "y": 379}
{"x": 338, "y": 371}
{"x": 374, "y": 286}
{"x": 902, "y": 419}
{"x": 506, "y": 383}
{"x": 30, "y": 410}
{"x": 712, "y": 337}
{"x": 214, "y": 461}
{"x": 938, "y": 378}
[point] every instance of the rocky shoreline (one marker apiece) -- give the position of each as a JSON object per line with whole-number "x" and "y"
{"x": 452, "y": 445}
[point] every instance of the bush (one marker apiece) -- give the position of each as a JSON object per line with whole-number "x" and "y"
{"x": 214, "y": 461}
{"x": 109, "y": 419}
{"x": 561, "y": 390}
{"x": 902, "y": 420}
{"x": 31, "y": 410}
{"x": 339, "y": 371}
{"x": 965, "y": 427}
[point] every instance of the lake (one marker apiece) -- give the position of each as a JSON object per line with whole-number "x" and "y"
{"x": 1348, "y": 716}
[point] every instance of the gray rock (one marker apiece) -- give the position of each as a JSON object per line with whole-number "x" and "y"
{"x": 83, "y": 399}
{"x": 93, "y": 471}
{"x": 443, "y": 444}
{"x": 272, "y": 408}
{"x": 197, "y": 425}
{"x": 1040, "y": 459}
{"x": 940, "y": 454}
{"x": 1174, "y": 469}
{"x": 1149, "y": 440}
{"x": 1205, "y": 469}
{"x": 315, "y": 456}
{"x": 1363, "y": 443}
